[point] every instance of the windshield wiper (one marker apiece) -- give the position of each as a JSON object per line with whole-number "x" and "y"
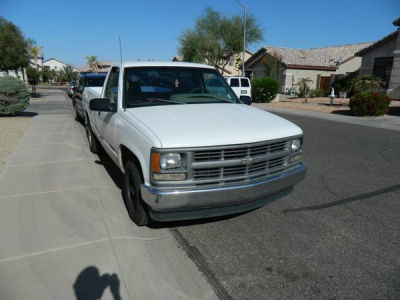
{"x": 212, "y": 97}
{"x": 164, "y": 100}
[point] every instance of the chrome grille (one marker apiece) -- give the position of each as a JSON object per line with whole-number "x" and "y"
{"x": 239, "y": 163}
{"x": 240, "y": 152}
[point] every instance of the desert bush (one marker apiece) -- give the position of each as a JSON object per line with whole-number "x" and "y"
{"x": 369, "y": 104}
{"x": 14, "y": 96}
{"x": 264, "y": 89}
{"x": 317, "y": 93}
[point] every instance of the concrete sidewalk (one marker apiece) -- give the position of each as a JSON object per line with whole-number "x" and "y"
{"x": 385, "y": 122}
{"x": 64, "y": 229}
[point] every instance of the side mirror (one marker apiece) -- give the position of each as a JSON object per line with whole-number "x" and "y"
{"x": 102, "y": 104}
{"x": 245, "y": 100}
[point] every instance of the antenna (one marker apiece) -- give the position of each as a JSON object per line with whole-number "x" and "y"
{"x": 120, "y": 50}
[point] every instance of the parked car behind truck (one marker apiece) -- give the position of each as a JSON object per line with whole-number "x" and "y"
{"x": 186, "y": 144}
{"x": 85, "y": 81}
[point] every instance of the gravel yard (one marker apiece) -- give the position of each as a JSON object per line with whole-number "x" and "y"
{"x": 12, "y": 128}
{"x": 322, "y": 105}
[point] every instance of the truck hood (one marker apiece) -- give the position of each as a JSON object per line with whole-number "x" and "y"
{"x": 198, "y": 125}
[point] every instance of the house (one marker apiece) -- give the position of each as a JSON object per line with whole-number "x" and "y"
{"x": 102, "y": 67}
{"x": 36, "y": 63}
{"x": 382, "y": 59}
{"x": 233, "y": 66}
{"x": 320, "y": 65}
{"x": 56, "y": 65}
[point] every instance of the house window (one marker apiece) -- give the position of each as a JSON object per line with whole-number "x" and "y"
{"x": 383, "y": 68}
{"x": 55, "y": 67}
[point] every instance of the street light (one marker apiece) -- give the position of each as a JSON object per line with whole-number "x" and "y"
{"x": 244, "y": 33}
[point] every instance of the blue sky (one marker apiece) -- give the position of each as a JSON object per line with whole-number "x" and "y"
{"x": 71, "y": 30}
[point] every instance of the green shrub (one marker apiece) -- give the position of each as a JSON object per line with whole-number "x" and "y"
{"x": 14, "y": 97}
{"x": 369, "y": 104}
{"x": 33, "y": 75}
{"x": 264, "y": 89}
{"x": 317, "y": 93}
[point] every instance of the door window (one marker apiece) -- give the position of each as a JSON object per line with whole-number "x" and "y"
{"x": 111, "y": 90}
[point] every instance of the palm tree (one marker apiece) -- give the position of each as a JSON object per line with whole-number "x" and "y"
{"x": 92, "y": 62}
{"x": 35, "y": 51}
{"x": 67, "y": 73}
{"x": 304, "y": 88}
{"x": 366, "y": 83}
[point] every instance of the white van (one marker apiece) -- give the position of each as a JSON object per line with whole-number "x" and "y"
{"x": 241, "y": 86}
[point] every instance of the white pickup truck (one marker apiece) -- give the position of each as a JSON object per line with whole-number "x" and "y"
{"x": 187, "y": 146}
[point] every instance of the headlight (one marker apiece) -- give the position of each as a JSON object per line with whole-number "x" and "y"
{"x": 170, "y": 161}
{"x": 296, "y": 145}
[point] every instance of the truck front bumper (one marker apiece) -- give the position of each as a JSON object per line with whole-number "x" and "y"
{"x": 182, "y": 204}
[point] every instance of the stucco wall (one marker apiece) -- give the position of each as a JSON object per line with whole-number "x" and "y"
{"x": 56, "y": 65}
{"x": 293, "y": 75}
{"x": 349, "y": 66}
{"x": 232, "y": 71}
{"x": 385, "y": 50}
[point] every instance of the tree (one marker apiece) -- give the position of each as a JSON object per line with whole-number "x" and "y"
{"x": 33, "y": 77}
{"x": 14, "y": 48}
{"x": 92, "y": 62}
{"x": 216, "y": 38}
{"x": 35, "y": 51}
{"x": 273, "y": 65}
{"x": 304, "y": 88}
{"x": 366, "y": 83}
{"x": 67, "y": 72}
{"x": 47, "y": 75}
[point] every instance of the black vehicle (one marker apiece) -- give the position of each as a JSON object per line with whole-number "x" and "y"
{"x": 71, "y": 88}
{"x": 86, "y": 80}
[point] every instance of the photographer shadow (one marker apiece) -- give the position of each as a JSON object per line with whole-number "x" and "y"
{"x": 89, "y": 285}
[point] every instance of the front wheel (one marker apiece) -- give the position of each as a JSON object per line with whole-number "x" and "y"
{"x": 137, "y": 210}
{"x": 76, "y": 113}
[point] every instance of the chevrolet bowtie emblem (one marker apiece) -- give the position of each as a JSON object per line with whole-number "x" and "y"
{"x": 248, "y": 161}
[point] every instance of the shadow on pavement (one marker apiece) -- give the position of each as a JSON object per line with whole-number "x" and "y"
{"x": 28, "y": 114}
{"x": 89, "y": 285}
{"x": 389, "y": 189}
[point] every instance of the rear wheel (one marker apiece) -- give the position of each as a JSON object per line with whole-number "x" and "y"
{"x": 92, "y": 140}
{"x": 137, "y": 209}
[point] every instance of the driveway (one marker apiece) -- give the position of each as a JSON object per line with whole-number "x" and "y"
{"x": 64, "y": 230}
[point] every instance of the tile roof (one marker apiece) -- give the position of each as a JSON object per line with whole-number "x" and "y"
{"x": 327, "y": 57}
{"x": 382, "y": 41}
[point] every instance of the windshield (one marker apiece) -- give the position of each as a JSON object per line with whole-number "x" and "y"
{"x": 95, "y": 81}
{"x": 145, "y": 86}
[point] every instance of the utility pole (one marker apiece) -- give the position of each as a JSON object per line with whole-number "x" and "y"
{"x": 244, "y": 34}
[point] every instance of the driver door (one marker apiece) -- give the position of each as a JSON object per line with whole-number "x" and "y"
{"x": 107, "y": 120}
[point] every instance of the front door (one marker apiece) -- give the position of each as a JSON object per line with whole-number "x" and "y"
{"x": 324, "y": 83}
{"x": 107, "y": 120}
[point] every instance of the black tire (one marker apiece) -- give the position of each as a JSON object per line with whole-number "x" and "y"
{"x": 92, "y": 140}
{"x": 135, "y": 206}
{"x": 77, "y": 116}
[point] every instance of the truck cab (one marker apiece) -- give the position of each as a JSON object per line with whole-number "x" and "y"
{"x": 188, "y": 147}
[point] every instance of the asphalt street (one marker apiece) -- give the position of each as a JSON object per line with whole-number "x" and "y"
{"x": 335, "y": 237}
